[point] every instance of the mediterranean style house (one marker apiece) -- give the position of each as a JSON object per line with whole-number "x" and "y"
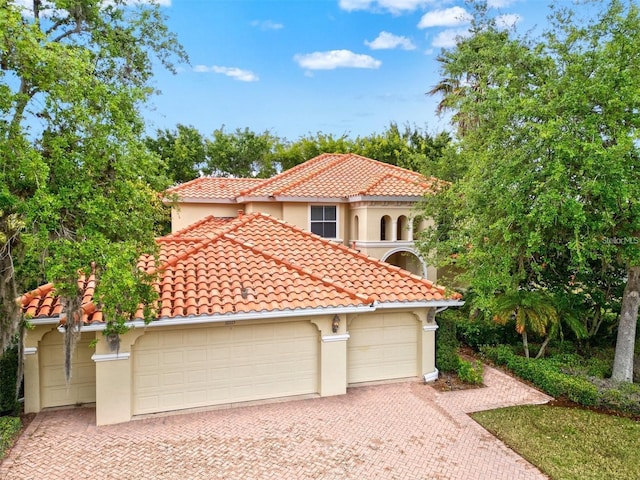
{"x": 356, "y": 201}
{"x": 267, "y": 289}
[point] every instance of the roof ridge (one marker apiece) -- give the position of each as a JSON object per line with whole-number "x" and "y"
{"x": 356, "y": 253}
{"x": 391, "y": 165}
{"x": 423, "y": 182}
{"x": 190, "y": 182}
{"x": 173, "y": 260}
{"x": 288, "y": 172}
{"x": 315, "y": 173}
{"x": 304, "y": 270}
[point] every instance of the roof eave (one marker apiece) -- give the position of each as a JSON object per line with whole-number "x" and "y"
{"x": 199, "y": 200}
{"x": 421, "y": 304}
{"x": 384, "y": 198}
{"x": 237, "y": 317}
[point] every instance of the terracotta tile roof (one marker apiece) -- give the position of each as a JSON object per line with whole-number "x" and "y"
{"x": 212, "y": 187}
{"x": 44, "y": 303}
{"x": 343, "y": 176}
{"x": 256, "y": 263}
{"x": 330, "y": 175}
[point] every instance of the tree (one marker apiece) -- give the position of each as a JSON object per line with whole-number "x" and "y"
{"x": 75, "y": 197}
{"x": 183, "y": 152}
{"x": 533, "y": 311}
{"x": 550, "y": 201}
{"x": 242, "y": 153}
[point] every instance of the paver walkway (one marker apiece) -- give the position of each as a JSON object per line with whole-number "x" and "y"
{"x": 402, "y": 430}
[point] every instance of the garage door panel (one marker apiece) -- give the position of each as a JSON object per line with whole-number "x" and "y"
{"x": 382, "y": 347}
{"x": 238, "y": 363}
{"x": 54, "y": 391}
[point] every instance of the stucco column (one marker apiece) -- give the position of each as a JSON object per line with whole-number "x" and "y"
{"x": 429, "y": 327}
{"x": 333, "y": 355}
{"x": 32, "y": 367}
{"x": 114, "y": 379}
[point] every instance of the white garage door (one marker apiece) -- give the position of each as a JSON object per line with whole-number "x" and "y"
{"x": 54, "y": 391}
{"x": 382, "y": 347}
{"x": 198, "y": 367}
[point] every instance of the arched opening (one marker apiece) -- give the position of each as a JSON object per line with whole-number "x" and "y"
{"x": 418, "y": 227}
{"x": 402, "y": 227}
{"x": 407, "y": 260}
{"x": 355, "y": 228}
{"x": 385, "y": 228}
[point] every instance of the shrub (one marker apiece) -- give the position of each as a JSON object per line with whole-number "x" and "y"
{"x": 470, "y": 372}
{"x": 9, "y": 429}
{"x": 547, "y": 374}
{"x": 8, "y": 375}
{"x": 482, "y": 331}
{"x": 447, "y": 345}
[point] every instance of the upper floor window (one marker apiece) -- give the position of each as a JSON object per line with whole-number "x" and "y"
{"x": 324, "y": 220}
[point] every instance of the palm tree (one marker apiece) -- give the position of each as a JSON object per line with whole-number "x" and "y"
{"x": 533, "y": 311}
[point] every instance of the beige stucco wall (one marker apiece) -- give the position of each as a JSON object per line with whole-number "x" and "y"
{"x": 187, "y": 213}
{"x": 296, "y": 214}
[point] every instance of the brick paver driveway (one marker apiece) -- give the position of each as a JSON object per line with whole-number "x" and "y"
{"x": 403, "y": 430}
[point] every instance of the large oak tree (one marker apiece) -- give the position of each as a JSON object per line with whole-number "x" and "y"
{"x": 77, "y": 190}
{"x": 551, "y": 198}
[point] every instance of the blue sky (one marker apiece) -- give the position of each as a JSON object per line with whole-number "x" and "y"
{"x": 295, "y": 67}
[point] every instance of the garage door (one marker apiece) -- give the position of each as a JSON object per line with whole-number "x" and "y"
{"x": 54, "y": 391}
{"x": 382, "y": 347}
{"x": 207, "y": 366}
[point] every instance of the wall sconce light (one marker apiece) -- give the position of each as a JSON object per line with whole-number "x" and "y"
{"x": 335, "y": 323}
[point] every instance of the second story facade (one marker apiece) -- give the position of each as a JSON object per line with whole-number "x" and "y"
{"x": 359, "y": 202}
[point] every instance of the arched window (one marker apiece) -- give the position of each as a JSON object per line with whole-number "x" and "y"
{"x": 402, "y": 228}
{"x": 417, "y": 227}
{"x": 355, "y": 233}
{"x": 385, "y": 228}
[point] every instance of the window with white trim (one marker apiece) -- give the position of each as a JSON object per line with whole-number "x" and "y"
{"x": 324, "y": 220}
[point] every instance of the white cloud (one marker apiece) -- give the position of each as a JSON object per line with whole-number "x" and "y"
{"x": 335, "y": 59}
{"x": 508, "y": 20}
{"x": 448, "y": 17}
{"x": 267, "y": 25}
{"x": 389, "y": 41}
{"x": 447, "y": 38}
{"x": 394, "y": 6}
{"x": 233, "y": 72}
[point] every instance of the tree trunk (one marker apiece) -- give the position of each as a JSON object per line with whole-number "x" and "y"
{"x": 543, "y": 346}
{"x": 525, "y": 344}
{"x": 625, "y": 343}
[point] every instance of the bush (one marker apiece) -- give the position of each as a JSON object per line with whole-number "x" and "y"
{"x": 8, "y": 376}
{"x": 471, "y": 372}
{"x": 447, "y": 345}
{"x": 546, "y": 374}
{"x": 9, "y": 429}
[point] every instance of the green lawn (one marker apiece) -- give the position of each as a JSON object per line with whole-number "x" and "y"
{"x": 568, "y": 443}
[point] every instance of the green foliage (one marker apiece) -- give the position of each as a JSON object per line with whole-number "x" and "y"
{"x": 483, "y": 331}
{"x": 549, "y": 201}
{"x": 471, "y": 372}
{"x": 447, "y": 359}
{"x": 9, "y": 430}
{"x": 8, "y": 381}
{"x": 183, "y": 153}
{"x": 77, "y": 183}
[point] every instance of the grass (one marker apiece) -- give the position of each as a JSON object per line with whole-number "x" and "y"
{"x": 9, "y": 430}
{"x": 569, "y": 443}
